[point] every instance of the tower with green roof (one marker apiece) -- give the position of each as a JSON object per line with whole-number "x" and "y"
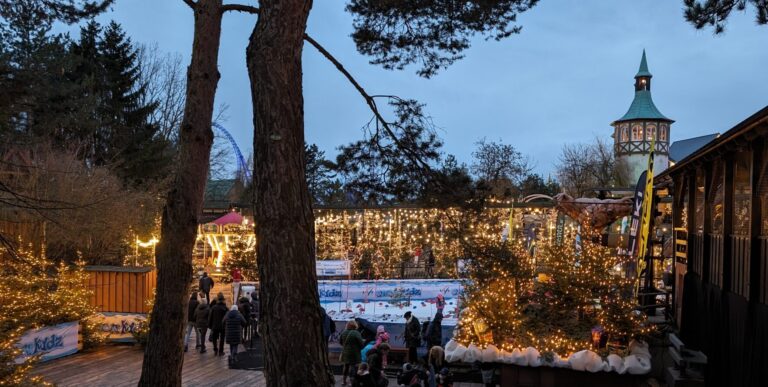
{"x": 633, "y": 132}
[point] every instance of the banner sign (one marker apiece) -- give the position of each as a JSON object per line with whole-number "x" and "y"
{"x": 560, "y": 228}
{"x": 637, "y": 210}
{"x": 50, "y": 342}
{"x": 121, "y": 326}
{"x": 329, "y": 267}
{"x": 384, "y": 290}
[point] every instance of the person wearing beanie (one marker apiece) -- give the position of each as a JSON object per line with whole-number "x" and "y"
{"x": 233, "y": 331}
{"x": 382, "y": 336}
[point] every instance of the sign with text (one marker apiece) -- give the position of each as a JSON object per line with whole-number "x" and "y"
{"x": 121, "y": 326}
{"x": 49, "y": 342}
{"x": 328, "y": 267}
{"x": 383, "y": 290}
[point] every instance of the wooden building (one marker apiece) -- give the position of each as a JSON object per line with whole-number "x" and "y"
{"x": 720, "y": 210}
{"x": 122, "y": 289}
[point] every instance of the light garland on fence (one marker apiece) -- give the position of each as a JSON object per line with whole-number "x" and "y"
{"x": 378, "y": 240}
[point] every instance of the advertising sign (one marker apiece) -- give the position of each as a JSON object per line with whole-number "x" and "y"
{"x": 50, "y": 342}
{"x": 384, "y": 290}
{"x": 328, "y": 267}
{"x": 121, "y": 326}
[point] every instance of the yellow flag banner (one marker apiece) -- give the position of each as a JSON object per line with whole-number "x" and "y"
{"x": 645, "y": 220}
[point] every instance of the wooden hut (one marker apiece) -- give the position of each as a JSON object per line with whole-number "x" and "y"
{"x": 122, "y": 289}
{"x": 720, "y": 208}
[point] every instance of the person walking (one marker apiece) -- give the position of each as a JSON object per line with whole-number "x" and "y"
{"x": 233, "y": 327}
{"x": 191, "y": 307}
{"x": 352, "y": 343}
{"x": 202, "y": 313}
{"x": 206, "y": 284}
{"x": 216, "y": 324}
{"x": 412, "y": 336}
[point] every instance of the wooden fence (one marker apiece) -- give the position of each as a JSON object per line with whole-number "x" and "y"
{"x": 121, "y": 289}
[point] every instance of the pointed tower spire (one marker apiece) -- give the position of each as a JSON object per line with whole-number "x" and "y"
{"x": 643, "y": 71}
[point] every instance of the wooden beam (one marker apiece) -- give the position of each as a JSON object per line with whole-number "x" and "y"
{"x": 755, "y": 221}
{"x": 728, "y": 191}
{"x": 691, "y": 176}
{"x": 705, "y": 249}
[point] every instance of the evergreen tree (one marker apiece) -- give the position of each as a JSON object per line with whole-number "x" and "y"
{"x": 135, "y": 147}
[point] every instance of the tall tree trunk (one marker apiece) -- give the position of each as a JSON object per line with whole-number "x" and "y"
{"x": 290, "y": 307}
{"x": 164, "y": 356}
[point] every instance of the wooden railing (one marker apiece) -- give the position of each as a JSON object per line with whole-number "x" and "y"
{"x": 740, "y": 258}
{"x": 696, "y": 253}
{"x": 716, "y": 259}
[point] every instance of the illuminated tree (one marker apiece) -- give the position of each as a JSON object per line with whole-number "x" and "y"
{"x": 549, "y": 301}
{"x": 38, "y": 293}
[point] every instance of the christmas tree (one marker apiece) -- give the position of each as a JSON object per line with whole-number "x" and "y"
{"x": 552, "y": 300}
{"x": 39, "y": 293}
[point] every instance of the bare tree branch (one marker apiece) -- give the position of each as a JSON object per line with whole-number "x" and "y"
{"x": 240, "y": 8}
{"x": 190, "y": 3}
{"x": 371, "y": 101}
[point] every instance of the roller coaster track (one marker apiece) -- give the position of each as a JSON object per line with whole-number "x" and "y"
{"x": 240, "y": 159}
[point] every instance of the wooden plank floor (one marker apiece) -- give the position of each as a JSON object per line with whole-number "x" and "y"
{"x": 121, "y": 366}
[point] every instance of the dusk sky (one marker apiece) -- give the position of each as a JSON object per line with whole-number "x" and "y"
{"x": 563, "y": 79}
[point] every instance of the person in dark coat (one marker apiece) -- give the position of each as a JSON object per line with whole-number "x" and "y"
{"x": 244, "y": 306}
{"x": 202, "y": 313}
{"x": 327, "y": 323}
{"x": 435, "y": 332}
{"x": 351, "y": 342}
{"x": 233, "y": 330}
{"x": 216, "y": 324}
{"x": 206, "y": 284}
{"x": 255, "y": 311}
{"x": 191, "y": 307}
{"x": 412, "y": 336}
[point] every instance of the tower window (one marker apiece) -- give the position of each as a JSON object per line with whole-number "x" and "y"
{"x": 663, "y": 133}
{"x": 624, "y": 133}
{"x": 650, "y": 132}
{"x": 637, "y": 133}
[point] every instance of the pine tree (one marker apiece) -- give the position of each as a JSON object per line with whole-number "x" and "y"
{"x": 135, "y": 147}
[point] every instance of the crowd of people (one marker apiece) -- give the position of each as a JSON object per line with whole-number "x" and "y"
{"x": 363, "y": 363}
{"x": 226, "y": 324}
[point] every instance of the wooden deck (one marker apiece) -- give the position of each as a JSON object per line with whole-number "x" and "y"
{"x": 114, "y": 365}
